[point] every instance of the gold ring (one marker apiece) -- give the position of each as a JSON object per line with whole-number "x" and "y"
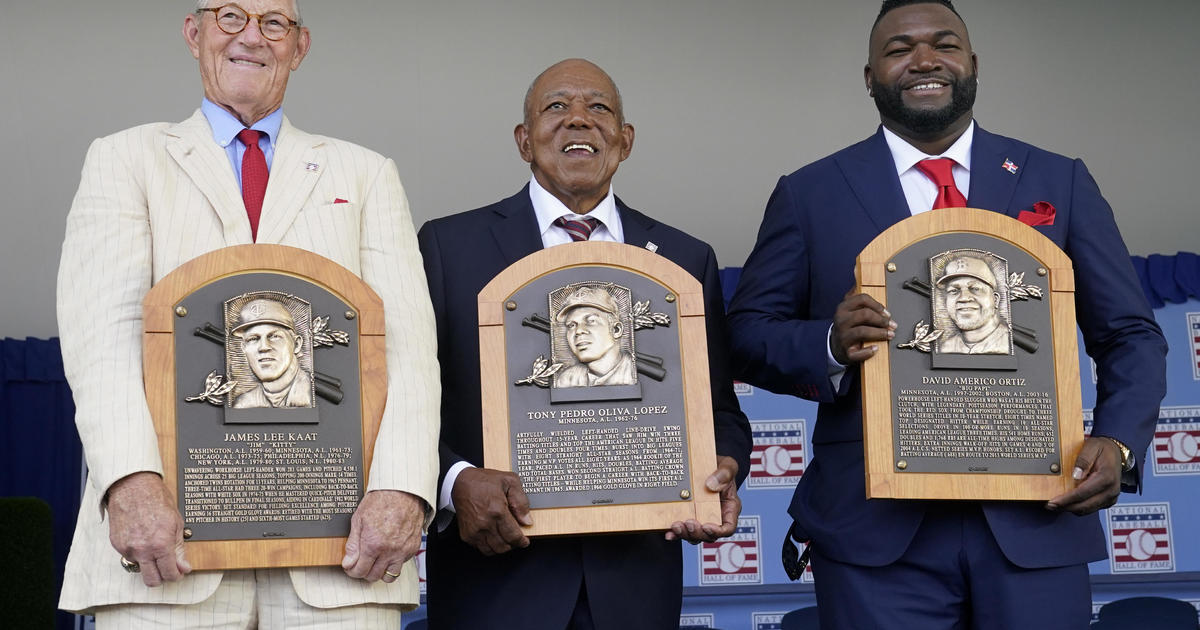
{"x": 395, "y": 575}
{"x": 130, "y": 566}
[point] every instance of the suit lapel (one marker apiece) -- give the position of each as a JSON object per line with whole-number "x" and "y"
{"x": 295, "y": 169}
{"x": 992, "y": 186}
{"x": 192, "y": 147}
{"x": 516, "y": 230}
{"x": 871, "y": 173}
{"x": 636, "y": 226}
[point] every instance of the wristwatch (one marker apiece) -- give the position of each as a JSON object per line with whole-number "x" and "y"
{"x": 1127, "y": 457}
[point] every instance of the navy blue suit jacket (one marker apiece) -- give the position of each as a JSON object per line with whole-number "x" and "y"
{"x": 818, "y": 220}
{"x": 633, "y": 580}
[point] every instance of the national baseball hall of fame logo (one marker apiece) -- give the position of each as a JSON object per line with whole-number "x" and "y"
{"x": 420, "y": 560}
{"x": 733, "y": 560}
{"x": 777, "y": 459}
{"x": 767, "y": 620}
{"x": 1194, "y": 337}
{"x": 695, "y": 621}
{"x": 1177, "y": 441}
{"x": 1140, "y": 538}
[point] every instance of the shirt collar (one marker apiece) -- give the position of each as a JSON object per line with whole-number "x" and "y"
{"x": 225, "y": 126}
{"x": 547, "y": 208}
{"x": 906, "y": 155}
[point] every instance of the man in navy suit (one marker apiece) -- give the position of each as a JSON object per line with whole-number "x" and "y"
{"x": 930, "y": 564}
{"x": 483, "y": 572}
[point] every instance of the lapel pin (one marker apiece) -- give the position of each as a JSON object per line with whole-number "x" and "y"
{"x": 1009, "y": 166}
{"x": 312, "y": 166}
{"x": 651, "y": 246}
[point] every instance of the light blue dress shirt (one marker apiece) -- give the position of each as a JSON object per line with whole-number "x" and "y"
{"x": 226, "y": 127}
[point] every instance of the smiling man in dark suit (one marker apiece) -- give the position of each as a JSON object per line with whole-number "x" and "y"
{"x": 931, "y": 564}
{"x": 483, "y": 571}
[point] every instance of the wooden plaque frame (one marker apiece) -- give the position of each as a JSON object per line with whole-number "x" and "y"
{"x": 704, "y": 505}
{"x": 158, "y": 356}
{"x": 882, "y": 478}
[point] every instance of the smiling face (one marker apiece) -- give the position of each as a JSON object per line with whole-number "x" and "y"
{"x": 270, "y": 350}
{"x": 574, "y": 135}
{"x": 246, "y": 73}
{"x": 591, "y": 333}
{"x": 970, "y": 302}
{"x": 922, "y": 74}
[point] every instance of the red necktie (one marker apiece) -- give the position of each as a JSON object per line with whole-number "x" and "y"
{"x": 254, "y": 178}
{"x": 579, "y": 230}
{"x": 941, "y": 171}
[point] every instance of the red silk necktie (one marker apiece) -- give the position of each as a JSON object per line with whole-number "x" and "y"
{"x": 941, "y": 171}
{"x": 254, "y": 178}
{"x": 579, "y": 230}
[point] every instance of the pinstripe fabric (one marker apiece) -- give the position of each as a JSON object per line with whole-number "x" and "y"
{"x": 262, "y": 599}
{"x": 153, "y": 197}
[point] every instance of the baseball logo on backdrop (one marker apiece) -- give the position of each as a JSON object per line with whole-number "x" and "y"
{"x": 420, "y": 560}
{"x": 1177, "y": 441}
{"x": 767, "y": 620}
{"x": 777, "y": 458}
{"x": 1089, "y": 421}
{"x": 696, "y": 620}
{"x": 1194, "y": 337}
{"x": 1140, "y": 538}
{"x": 733, "y": 560}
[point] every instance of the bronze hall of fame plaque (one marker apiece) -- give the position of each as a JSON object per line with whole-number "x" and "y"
{"x": 595, "y": 388}
{"x": 977, "y": 397}
{"x": 265, "y": 413}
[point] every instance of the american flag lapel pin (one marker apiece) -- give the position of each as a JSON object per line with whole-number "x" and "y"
{"x": 1009, "y": 166}
{"x": 651, "y": 246}
{"x": 312, "y": 166}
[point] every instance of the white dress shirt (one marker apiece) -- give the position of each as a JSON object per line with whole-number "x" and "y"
{"x": 546, "y": 209}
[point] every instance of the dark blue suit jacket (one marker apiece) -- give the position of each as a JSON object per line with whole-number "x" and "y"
{"x": 633, "y": 580}
{"x": 818, "y": 220}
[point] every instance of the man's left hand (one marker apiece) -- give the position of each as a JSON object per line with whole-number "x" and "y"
{"x": 724, "y": 482}
{"x": 1097, "y": 479}
{"x": 385, "y": 532}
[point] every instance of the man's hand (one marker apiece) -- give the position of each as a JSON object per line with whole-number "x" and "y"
{"x": 858, "y": 321}
{"x": 145, "y": 527}
{"x": 385, "y": 532}
{"x": 723, "y": 481}
{"x": 491, "y": 507}
{"x": 1097, "y": 479}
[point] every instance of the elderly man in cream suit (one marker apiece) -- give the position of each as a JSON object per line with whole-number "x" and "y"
{"x": 156, "y": 196}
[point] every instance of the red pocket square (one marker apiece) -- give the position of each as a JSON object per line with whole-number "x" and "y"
{"x": 340, "y": 200}
{"x": 1042, "y": 214}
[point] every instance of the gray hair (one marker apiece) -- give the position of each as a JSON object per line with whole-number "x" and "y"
{"x": 203, "y": 4}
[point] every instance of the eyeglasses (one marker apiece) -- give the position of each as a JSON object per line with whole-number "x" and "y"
{"x": 233, "y": 20}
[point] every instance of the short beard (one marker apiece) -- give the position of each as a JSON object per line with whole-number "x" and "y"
{"x": 922, "y": 122}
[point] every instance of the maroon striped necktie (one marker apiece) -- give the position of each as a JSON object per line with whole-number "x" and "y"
{"x": 579, "y": 230}
{"x": 254, "y": 178}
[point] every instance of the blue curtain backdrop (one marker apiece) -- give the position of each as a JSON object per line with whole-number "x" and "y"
{"x": 1169, "y": 278}
{"x": 41, "y": 451}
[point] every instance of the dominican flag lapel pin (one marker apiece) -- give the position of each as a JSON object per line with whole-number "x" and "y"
{"x": 1009, "y": 166}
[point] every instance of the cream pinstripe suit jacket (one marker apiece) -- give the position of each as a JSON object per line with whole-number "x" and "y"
{"x": 156, "y": 196}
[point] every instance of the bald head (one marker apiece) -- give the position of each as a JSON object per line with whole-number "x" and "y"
{"x": 575, "y": 67}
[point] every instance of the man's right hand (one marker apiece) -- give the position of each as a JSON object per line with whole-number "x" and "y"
{"x": 859, "y": 321}
{"x": 145, "y": 527}
{"x": 491, "y": 506}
